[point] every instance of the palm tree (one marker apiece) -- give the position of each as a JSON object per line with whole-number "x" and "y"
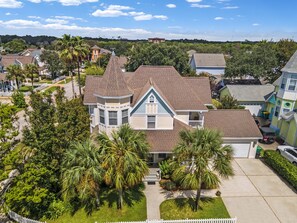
{"x": 81, "y": 51}
{"x": 66, "y": 48}
{"x": 82, "y": 174}
{"x": 31, "y": 72}
{"x": 123, "y": 158}
{"x": 202, "y": 159}
{"x": 15, "y": 72}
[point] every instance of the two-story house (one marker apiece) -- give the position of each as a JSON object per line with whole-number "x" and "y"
{"x": 160, "y": 102}
{"x": 285, "y": 111}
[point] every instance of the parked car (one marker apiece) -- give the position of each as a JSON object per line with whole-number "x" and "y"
{"x": 269, "y": 135}
{"x": 289, "y": 152}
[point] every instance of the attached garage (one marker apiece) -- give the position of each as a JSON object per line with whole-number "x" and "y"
{"x": 238, "y": 129}
{"x": 241, "y": 150}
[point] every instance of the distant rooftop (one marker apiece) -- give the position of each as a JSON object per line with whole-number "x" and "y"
{"x": 209, "y": 60}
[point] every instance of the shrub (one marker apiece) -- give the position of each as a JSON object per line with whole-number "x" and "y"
{"x": 166, "y": 168}
{"x": 168, "y": 185}
{"x": 18, "y": 99}
{"x": 282, "y": 166}
{"x": 56, "y": 209}
{"x": 218, "y": 193}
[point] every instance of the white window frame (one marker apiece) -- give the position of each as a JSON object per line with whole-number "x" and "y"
{"x": 127, "y": 116}
{"x": 100, "y": 116}
{"x": 291, "y": 85}
{"x": 151, "y": 96}
{"x": 284, "y": 83}
{"x": 147, "y": 121}
{"x": 116, "y": 118}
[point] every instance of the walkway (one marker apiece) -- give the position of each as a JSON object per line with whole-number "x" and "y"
{"x": 254, "y": 194}
{"x": 155, "y": 195}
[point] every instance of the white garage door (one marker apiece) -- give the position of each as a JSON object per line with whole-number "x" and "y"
{"x": 254, "y": 109}
{"x": 241, "y": 150}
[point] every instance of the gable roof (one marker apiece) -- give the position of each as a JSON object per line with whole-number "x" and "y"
{"x": 179, "y": 93}
{"x": 113, "y": 83}
{"x": 95, "y": 47}
{"x": 11, "y": 59}
{"x": 250, "y": 92}
{"x": 291, "y": 66}
{"x": 201, "y": 87}
{"x": 277, "y": 81}
{"x": 237, "y": 123}
{"x": 209, "y": 60}
{"x": 170, "y": 85}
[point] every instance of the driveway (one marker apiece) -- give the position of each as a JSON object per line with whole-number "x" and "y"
{"x": 256, "y": 194}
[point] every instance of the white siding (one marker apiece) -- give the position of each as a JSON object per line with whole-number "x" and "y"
{"x": 212, "y": 71}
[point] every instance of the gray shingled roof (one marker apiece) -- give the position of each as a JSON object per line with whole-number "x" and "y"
{"x": 209, "y": 60}
{"x": 277, "y": 81}
{"x": 250, "y": 92}
{"x": 291, "y": 66}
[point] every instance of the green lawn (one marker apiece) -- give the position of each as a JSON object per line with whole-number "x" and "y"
{"x": 182, "y": 208}
{"x": 26, "y": 88}
{"x": 51, "y": 89}
{"x": 134, "y": 210}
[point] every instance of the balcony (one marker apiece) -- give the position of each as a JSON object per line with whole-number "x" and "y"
{"x": 196, "y": 123}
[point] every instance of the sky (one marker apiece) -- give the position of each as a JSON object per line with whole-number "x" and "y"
{"x": 213, "y": 20}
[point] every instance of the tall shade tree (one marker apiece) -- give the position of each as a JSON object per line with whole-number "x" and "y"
{"x": 31, "y": 72}
{"x": 66, "y": 49}
{"x": 81, "y": 51}
{"x": 82, "y": 174}
{"x": 202, "y": 159}
{"x": 15, "y": 72}
{"x": 123, "y": 158}
{"x": 52, "y": 62}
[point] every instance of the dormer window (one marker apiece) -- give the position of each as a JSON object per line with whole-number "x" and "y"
{"x": 152, "y": 99}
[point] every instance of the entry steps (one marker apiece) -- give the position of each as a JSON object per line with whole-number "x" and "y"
{"x": 153, "y": 176}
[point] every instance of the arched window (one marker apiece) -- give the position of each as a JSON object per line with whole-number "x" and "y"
{"x": 152, "y": 99}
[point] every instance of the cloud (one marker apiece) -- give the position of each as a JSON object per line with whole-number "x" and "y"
{"x": 194, "y": 1}
{"x": 120, "y": 10}
{"x": 255, "y": 24}
{"x": 230, "y": 7}
{"x": 10, "y": 4}
{"x": 112, "y": 11}
{"x": 33, "y": 17}
{"x": 60, "y": 29}
{"x": 7, "y": 13}
{"x": 218, "y": 18}
{"x": 174, "y": 27}
{"x": 65, "y": 2}
{"x": 144, "y": 17}
{"x": 58, "y": 21}
{"x": 68, "y": 18}
{"x": 200, "y": 6}
{"x": 171, "y": 6}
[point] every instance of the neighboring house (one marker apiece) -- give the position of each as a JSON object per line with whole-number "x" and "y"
{"x": 156, "y": 40}
{"x": 10, "y": 59}
{"x": 35, "y": 53}
{"x": 285, "y": 119}
{"x": 5, "y": 84}
{"x": 252, "y": 97}
{"x": 97, "y": 51}
{"x": 211, "y": 63}
{"x": 160, "y": 102}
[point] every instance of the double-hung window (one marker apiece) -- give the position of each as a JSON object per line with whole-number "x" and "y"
{"x": 113, "y": 117}
{"x": 125, "y": 116}
{"x": 292, "y": 84}
{"x": 277, "y": 109}
{"x": 284, "y": 82}
{"x": 151, "y": 121}
{"x": 102, "y": 116}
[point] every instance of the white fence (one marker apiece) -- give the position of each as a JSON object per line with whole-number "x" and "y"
{"x": 211, "y": 220}
{"x": 20, "y": 219}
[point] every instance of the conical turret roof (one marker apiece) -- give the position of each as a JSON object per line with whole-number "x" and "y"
{"x": 113, "y": 84}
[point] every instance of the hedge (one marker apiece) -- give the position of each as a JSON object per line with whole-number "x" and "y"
{"x": 282, "y": 166}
